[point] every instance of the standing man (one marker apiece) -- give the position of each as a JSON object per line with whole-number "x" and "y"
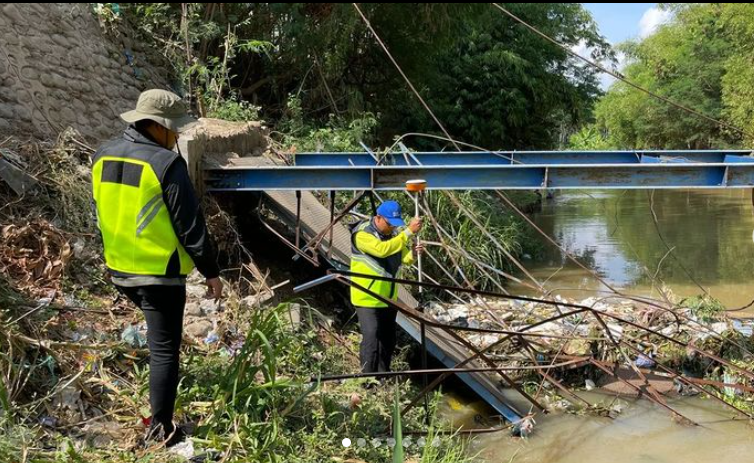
{"x": 154, "y": 233}
{"x": 378, "y": 248}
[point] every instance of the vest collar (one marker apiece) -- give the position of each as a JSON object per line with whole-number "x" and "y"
{"x": 377, "y": 230}
{"x": 134, "y": 136}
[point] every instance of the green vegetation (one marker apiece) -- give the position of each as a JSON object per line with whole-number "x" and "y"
{"x": 254, "y": 397}
{"x": 320, "y": 80}
{"x": 701, "y": 59}
{"x": 255, "y": 403}
{"x": 491, "y": 82}
{"x": 317, "y": 76}
{"x": 705, "y": 308}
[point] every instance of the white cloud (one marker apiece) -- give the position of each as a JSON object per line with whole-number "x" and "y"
{"x": 582, "y": 49}
{"x": 651, "y": 20}
{"x": 605, "y": 79}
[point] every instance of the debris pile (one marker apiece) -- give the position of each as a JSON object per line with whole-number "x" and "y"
{"x": 620, "y": 340}
{"x": 34, "y": 255}
{"x": 71, "y": 343}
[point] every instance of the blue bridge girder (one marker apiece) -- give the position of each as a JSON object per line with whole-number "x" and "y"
{"x": 491, "y": 158}
{"x": 525, "y": 170}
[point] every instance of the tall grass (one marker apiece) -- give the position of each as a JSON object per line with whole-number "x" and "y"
{"x": 465, "y": 245}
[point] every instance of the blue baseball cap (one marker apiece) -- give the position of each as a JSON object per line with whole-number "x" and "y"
{"x": 391, "y": 210}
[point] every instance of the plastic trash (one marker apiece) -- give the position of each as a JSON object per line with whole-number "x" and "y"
{"x": 615, "y": 411}
{"x": 237, "y": 345}
{"x": 616, "y": 330}
{"x": 523, "y": 428}
{"x": 730, "y": 391}
{"x": 589, "y": 384}
{"x": 745, "y": 329}
{"x": 133, "y": 337}
{"x": 185, "y": 449}
{"x": 211, "y": 338}
{"x": 643, "y": 361}
{"x": 48, "y": 421}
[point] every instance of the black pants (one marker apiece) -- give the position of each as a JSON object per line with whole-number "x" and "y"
{"x": 378, "y": 331}
{"x": 163, "y": 309}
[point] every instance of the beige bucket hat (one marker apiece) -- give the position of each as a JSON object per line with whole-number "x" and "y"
{"x": 163, "y": 107}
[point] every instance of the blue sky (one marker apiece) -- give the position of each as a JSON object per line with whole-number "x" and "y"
{"x": 619, "y": 21}
{"x": 623, "y": 21}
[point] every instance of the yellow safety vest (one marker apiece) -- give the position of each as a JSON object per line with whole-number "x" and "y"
{"x": 137, "y": 232}
{"x": 370, "y": 265}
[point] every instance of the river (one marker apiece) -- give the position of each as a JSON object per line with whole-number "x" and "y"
{"x": 704, "y": 241}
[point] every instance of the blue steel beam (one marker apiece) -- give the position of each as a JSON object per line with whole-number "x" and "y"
{"x": 731, "y": 174}
{"x": 515, "y": 157}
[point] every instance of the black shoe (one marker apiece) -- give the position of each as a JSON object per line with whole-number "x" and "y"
{"x": 156, "y": 435}
{"x": 176, "y": 437}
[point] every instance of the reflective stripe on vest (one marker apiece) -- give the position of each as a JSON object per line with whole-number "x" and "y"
{"x": 137, "y": 232}
{"x": 370, "y": 265}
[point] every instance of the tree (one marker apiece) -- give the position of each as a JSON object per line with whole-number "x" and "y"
{"x": 701, "y": 59}
{"x": 501, "y": 86}
{"x": 492, "y": 82}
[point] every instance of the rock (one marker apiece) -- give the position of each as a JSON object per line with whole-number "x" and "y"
{"x": 104, "y": 433}
{"x": 67, "y": 398}
{"x": 294, "y": 315}
{"x": 199, "y": 329}
{"x": 193, "y": 309}
{"x": 196, "y": 292}
{"x": 16, "y": 178}
{"x": 209, "y": 306}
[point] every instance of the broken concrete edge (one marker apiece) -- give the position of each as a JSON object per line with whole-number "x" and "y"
{"x": 215, "y": 141}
